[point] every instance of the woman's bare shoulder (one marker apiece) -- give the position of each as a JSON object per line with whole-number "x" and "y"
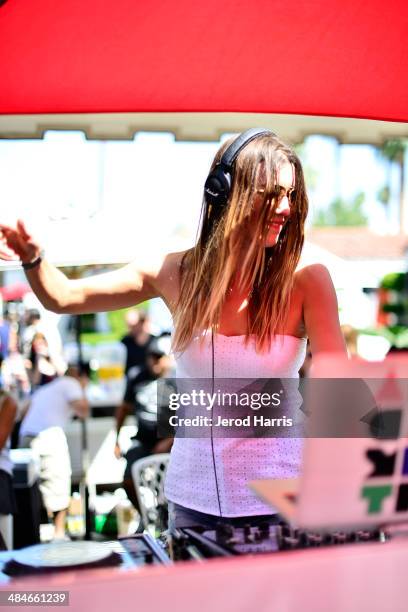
{"x": 171, "y": 263}
{"x": 168, "y": 276}
{"x": 158, "y": 265}
{"x": 313, "y": 277}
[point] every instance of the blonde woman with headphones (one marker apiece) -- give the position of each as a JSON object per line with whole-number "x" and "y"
{"x": 241, "y": 309}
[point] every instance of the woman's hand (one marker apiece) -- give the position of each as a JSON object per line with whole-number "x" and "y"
{"x": 17, "y": 244}
{"x": 129, "y": 285}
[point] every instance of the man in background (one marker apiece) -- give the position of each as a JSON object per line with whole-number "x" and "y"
{"x": 141, "y": 399}
{"x": 136, "y": 341}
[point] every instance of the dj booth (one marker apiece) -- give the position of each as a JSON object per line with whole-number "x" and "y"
{"x": 330, "y": 553}
{"x": 352, "y": 577}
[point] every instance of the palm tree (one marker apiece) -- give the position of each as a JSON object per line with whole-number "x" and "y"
{"x": 394, "y": 152}
{"x": 343, "y": 213}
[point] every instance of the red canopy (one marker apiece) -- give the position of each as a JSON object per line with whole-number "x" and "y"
{"x": 16, "y": 291}
{"x": 325, "y": 57}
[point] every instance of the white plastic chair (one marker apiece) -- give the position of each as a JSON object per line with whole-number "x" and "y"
{"x": 148, "y": 477}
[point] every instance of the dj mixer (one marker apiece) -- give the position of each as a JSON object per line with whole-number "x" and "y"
{"x": 192, "y": 543}
{"x": 227, "y": 540}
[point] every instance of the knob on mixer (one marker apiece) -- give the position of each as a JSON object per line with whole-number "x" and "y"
{"x": 223, "y": 532}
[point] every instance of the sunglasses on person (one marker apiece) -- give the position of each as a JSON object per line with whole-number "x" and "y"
{"x": 280, "y": 192}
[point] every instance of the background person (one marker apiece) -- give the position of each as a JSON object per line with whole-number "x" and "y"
{"x": 141, "y": 398}
{"x": 351, "y": 339}
{"x": 51, "y": 408}
{"x": 8, "y": 411}
{"x": 241, "y": 307}
{"x": 13, "y": 370}
{"x": 36, "y": 330}
{"x": 41, "y": 368}
{"x": 136, "y": 341}
{"x": 30, "y": 326}
{"x": 5, "y": 329}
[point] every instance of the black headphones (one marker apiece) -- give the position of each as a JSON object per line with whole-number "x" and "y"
{"x": 218, "y": 184}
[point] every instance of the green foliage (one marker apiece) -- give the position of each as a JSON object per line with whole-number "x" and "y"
{"x": 99, "y": 338}
{"x": 310, "y": 173}
{"x": 394, "y": 150}
{"x": 395, "y": 281}
{"x": 117, "y": 325}
{"x": 117, "y": 320}
{"x": 397, "y": 335}
{"x": 399, "y": 308}
{"x": 342, "y": 213}
{"x": 383, "y": 195}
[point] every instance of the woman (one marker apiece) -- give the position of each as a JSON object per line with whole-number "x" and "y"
{"x": 240, "y": 307}
{"x": 41, "y": 368}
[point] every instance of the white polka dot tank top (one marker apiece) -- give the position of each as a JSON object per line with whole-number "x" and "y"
{"x": 192, "y": 481}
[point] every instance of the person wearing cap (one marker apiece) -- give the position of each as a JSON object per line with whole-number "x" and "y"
{"x": 148, "y": 402}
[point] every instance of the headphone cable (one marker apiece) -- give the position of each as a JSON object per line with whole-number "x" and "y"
{"x": 212, "y": 437}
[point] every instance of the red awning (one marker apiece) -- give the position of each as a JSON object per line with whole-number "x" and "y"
{"x": 13, "y": 292}
{"x": 324, "y": 57}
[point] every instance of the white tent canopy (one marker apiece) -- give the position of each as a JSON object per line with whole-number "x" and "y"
{"x": 202, "y": 126}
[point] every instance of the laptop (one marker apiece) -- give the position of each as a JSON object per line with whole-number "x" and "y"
{"x": 355, "y": 454}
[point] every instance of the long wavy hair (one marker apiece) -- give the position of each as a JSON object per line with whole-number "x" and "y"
{"x": 230, "y": 247}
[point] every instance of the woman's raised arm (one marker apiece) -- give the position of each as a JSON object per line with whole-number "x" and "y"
{"x": 127, "y": 286}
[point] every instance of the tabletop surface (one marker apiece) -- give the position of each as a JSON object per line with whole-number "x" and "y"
{"x": 361, "y": 577}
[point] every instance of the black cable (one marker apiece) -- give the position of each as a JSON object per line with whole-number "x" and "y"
{"x": 212, "y": 437}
